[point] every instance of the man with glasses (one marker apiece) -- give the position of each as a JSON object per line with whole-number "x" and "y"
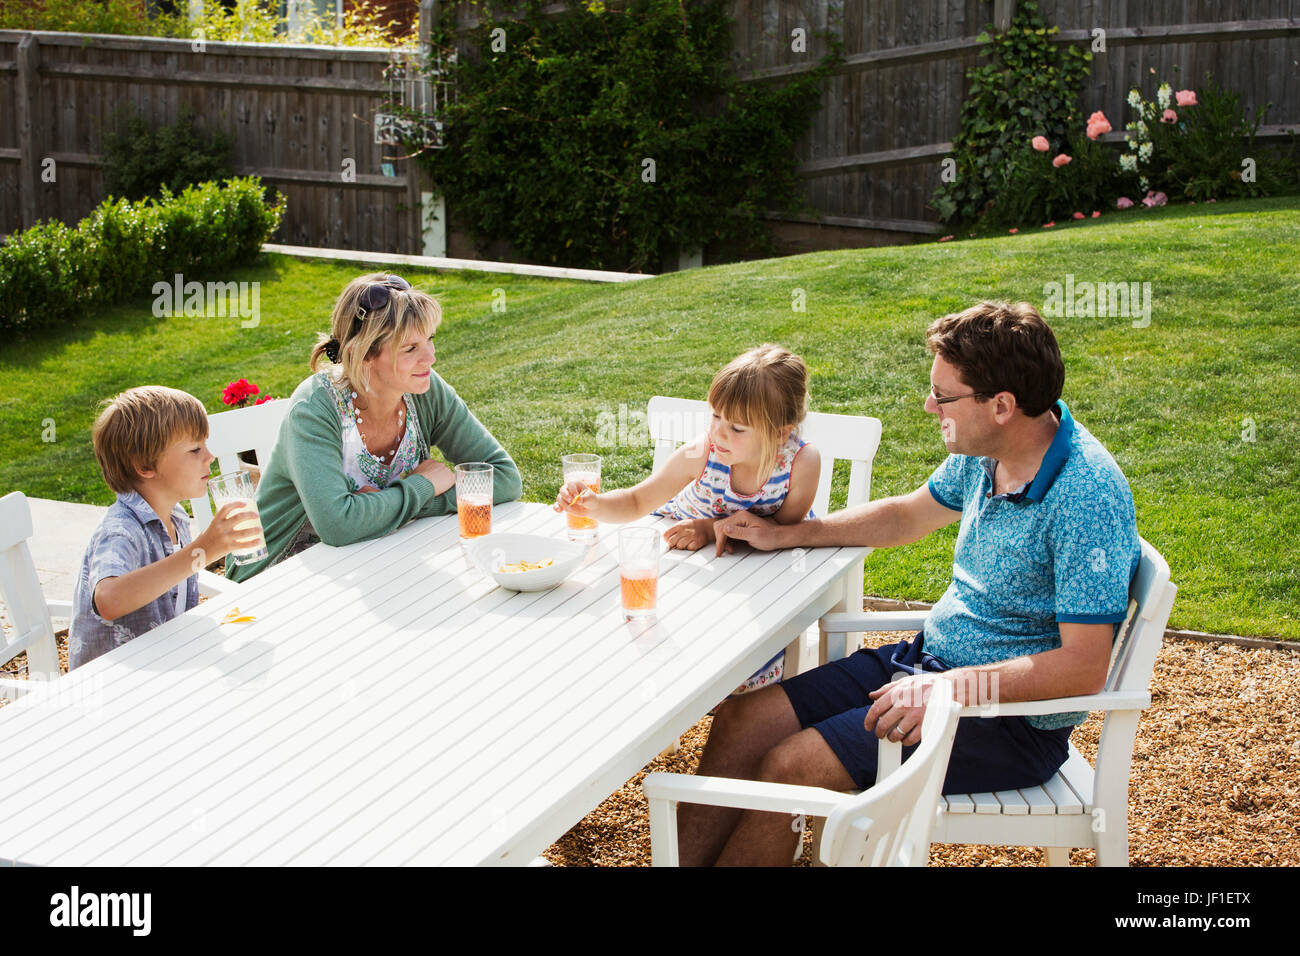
{"x": 1041, "y": 570}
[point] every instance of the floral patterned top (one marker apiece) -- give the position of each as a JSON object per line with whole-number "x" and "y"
{"x": 360, "y": 467}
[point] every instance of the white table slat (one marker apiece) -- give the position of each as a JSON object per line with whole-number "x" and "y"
{"x": 113, "y": 750}
{"x": 594, "y": 654}
{"x": 390, "y": 704}
{"x": 314, "y": 674}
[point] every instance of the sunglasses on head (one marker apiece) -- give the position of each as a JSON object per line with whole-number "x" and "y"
{"x": 376, "y": 296}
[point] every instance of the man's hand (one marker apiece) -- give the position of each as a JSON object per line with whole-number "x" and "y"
{"x": 761, "y": 533}
{"x": 690, "y": 535}
{"x": 899, "y": 708}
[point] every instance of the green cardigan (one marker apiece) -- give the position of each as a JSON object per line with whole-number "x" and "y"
{"x": 305, "y": 478}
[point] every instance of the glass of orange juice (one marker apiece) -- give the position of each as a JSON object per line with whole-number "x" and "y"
{"x": 586, "y": 469}
{"x": 474, "y": 498}
{"x": 638, "y": 571}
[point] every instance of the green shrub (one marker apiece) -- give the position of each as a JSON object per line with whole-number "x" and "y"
{"x": 123, "y": 247}
{"x": 547, "y": 142}
{"x": 1036, "y": 191}
{"x": 140, "y": 160}
{"x": 1199, "y": 153}
{"x": 251, "y": 21}
{"x": 88, "y": 16}
{"x": 1026, "y": 87}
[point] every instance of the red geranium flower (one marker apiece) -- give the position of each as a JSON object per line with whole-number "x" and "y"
{"x": 238, "y": 392}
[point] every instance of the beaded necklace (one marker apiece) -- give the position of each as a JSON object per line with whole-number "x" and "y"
{"x": 401, "y": 418}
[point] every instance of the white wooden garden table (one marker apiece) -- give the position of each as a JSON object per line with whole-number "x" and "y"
{"x": 390, "y": 705}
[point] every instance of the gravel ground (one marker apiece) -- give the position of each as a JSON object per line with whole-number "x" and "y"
{"x": 1215, "y": 778}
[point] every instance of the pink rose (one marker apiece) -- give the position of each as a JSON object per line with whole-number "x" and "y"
{"x": 1049, "y": 225}
{"x": 1098, "y": 125}
{"x": 1041, "y": 144}
{"x": 1096, "y": 213}
{"x": 1061, "y": 160}
{"x": 1078, "y": 215}
{"x": 1169, "y": 116}
{"x": 1186, "y": 97}
{"x": 1155, "y": 199}
{"x": 1123, "y": 202}
{"x": 1013, "y": 231}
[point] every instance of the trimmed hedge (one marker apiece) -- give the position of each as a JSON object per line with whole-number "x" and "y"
{"x": 123, "y": 247}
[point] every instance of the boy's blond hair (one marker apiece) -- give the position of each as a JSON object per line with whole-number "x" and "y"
{"x": 765, "y": 389}
{"x": 134, "y": 429}
{"x": 360, "y": 338}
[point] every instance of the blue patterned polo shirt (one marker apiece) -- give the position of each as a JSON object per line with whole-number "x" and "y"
{"x": 1061, "y": 549}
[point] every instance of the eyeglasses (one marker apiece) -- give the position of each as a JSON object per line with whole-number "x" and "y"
{"x": 376, "y": 296}
{"x": 953, "y": 398}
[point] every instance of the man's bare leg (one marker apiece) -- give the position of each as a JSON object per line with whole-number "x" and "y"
{"x": 769, "y": 839}
{"x": 744, "y": 729}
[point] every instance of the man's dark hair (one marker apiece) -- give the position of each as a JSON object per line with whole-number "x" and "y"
{"x": 997, "y": 347}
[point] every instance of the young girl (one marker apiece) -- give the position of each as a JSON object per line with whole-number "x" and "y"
{"x": 751, "y": 459}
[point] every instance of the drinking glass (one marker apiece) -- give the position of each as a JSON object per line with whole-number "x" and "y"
{"x": 638, "y": 571}
{"x": 238, "y": 486}
{"x": 474, "y": 498}
{"x": 586, "y": 469}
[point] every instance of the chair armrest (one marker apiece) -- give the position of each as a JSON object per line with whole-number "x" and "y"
{"x": 845, "y": 623}
{"x": 1106, "y": 700}
{"x": 61, "y": 609}
{"x": 889, "y": 753}
{"x": 742, "y": 794}
{"x": 213, "y": 585}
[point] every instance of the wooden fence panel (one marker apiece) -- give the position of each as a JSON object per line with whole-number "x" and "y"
{"x": 294, "y": 116}
{"x": 870, "y": 160}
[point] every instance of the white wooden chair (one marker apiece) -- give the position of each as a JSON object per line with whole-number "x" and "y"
{"x": 25, "y": 605}
{"x": 1078, "y": 807}
{"x": 855, "y": 438}
{"x": 230, "y": 434}
{"x": 888, "y": 825}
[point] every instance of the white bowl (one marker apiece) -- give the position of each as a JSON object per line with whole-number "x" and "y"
{"x": 491, "y": 551}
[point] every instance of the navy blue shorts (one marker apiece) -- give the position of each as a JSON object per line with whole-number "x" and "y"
{"x": 988, "y": 753}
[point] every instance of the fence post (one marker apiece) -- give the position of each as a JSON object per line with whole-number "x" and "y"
{"x": 426, "y": 238}
{"x": 1003, "y": 11}
{"x": 28, "y": 58}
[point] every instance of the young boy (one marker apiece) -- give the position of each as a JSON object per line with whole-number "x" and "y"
{"x": 141, "y": 568}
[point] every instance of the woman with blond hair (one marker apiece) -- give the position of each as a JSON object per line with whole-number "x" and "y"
{"x": 352, "y": 461}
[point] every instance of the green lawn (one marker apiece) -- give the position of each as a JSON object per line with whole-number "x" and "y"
{"x": 1171, "y": 401}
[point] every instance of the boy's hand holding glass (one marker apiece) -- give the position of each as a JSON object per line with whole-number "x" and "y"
{"x": 690, "y": 534}
{"x": 236, "y": 527}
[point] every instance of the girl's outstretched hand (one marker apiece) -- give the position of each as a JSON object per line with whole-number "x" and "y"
{"x": 576, "y": 498}
{"x": 690, "y": 535}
